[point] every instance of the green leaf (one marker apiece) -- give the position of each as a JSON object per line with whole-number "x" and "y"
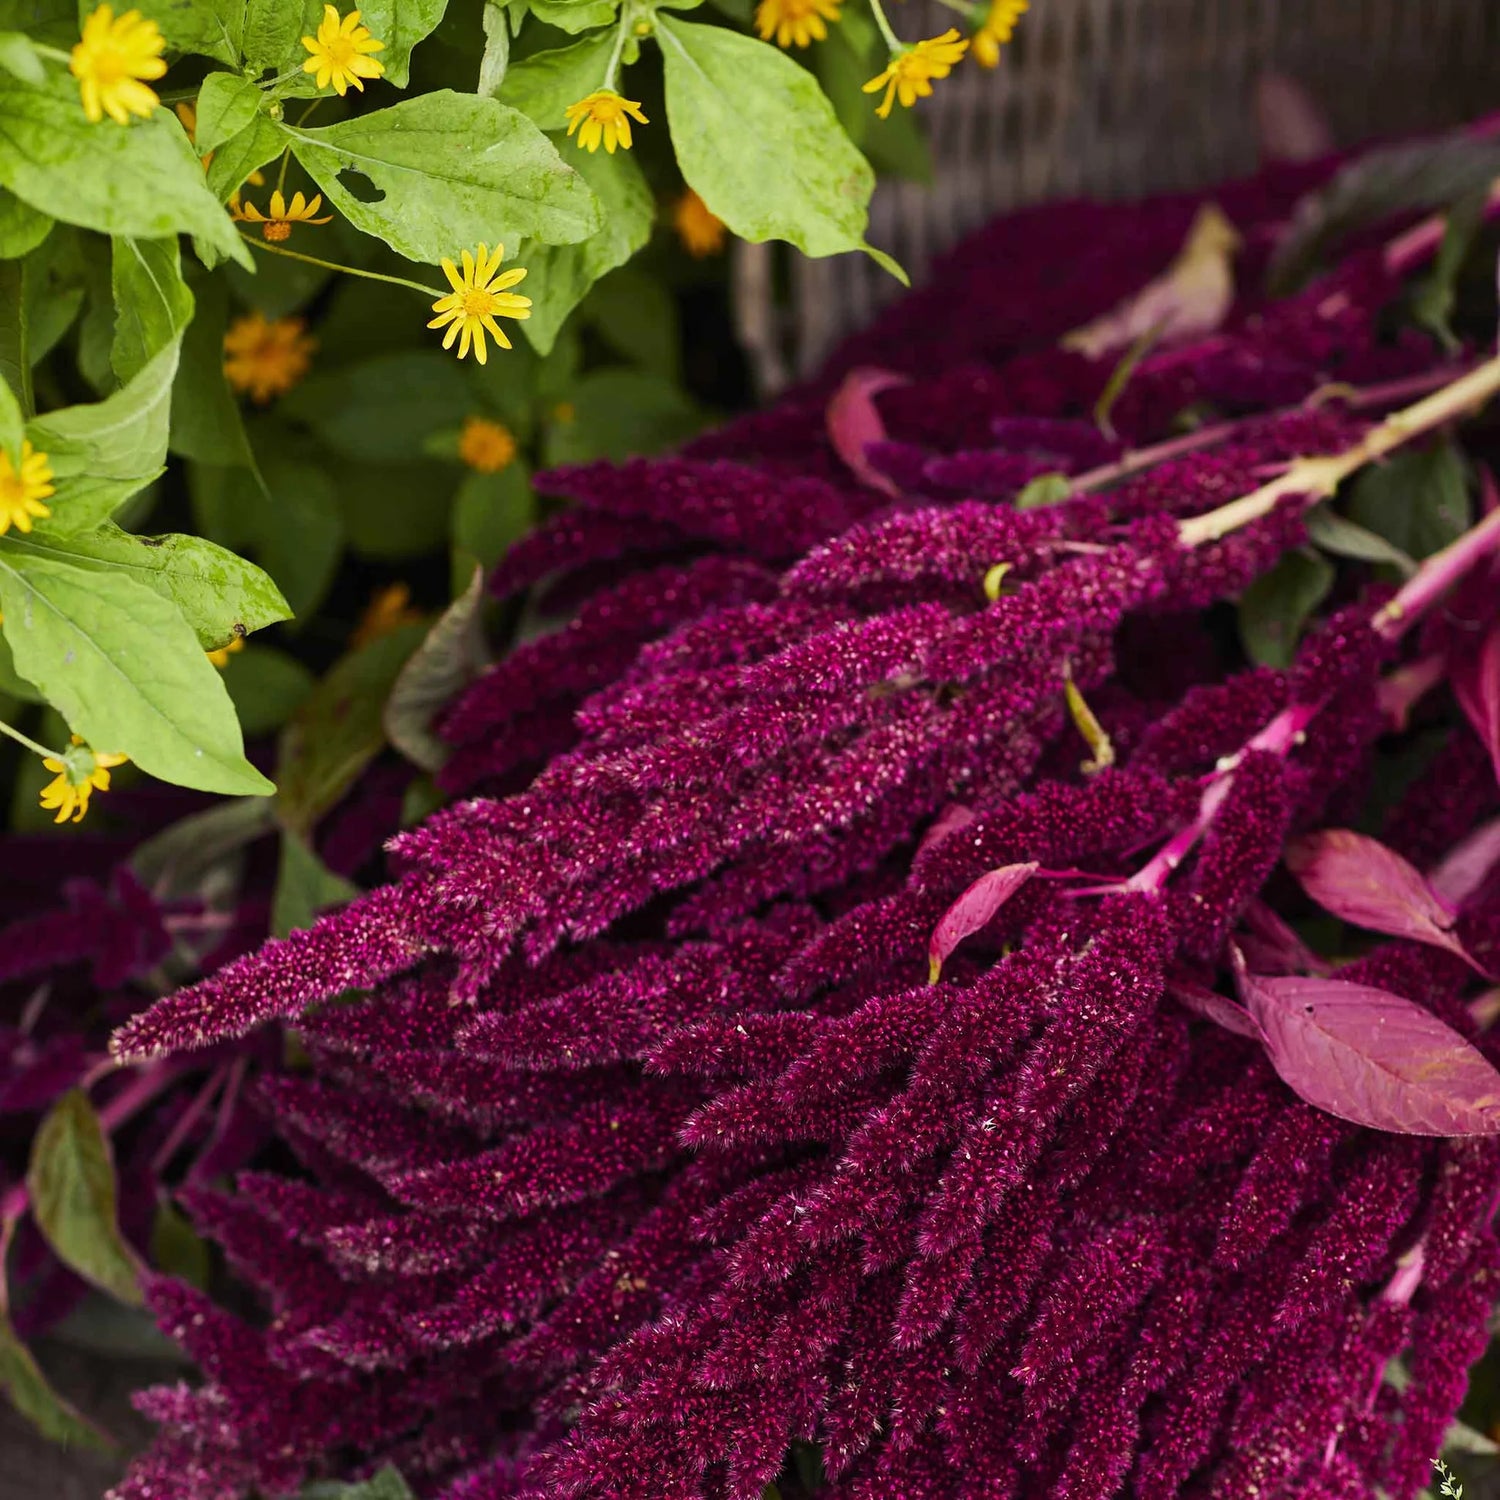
{"x": 227, "y": 104}
{"x": 261, "y": 141}
{"x": 12, "y": 684}
{"x": 1434, "y": 297}
{"x": 636, "y": 315}
{"x": 1045, "y": 489}
{"x": 451, "y": 656}
{"x": 853, "y": 54}
{"x": 400, "y": 24}
{"x": 496, "y": 58}
{"x": 209, "y": 28}
{"x": 124, "y": 668}
{"x": 1378, "y": 184}
{"x": 15, "y": 357}
{"x": 205, "y": 418}
{"x": 305, "y": 886}
{"x": 759, "y": 142}
{"x": 220, "y": 595}
{"x": 176, "y": 1249}
{"x": 544, "y": 84}
{"x": 560, "y": 277}
{"x": 492, "y": 512}
{"x": 272, "y": 29}
{"x": 386, "y": 1485}
{"x": 22, "y": 1381}
{"x": 12, "y": 423}
{"x": 71, "y": 1182}
{"x": 152, "y": 303}
{"x": 574, "y": 16}
{"x": 1331, "y": 532}
{"x": 452, "y": 171}
{"x": 1273, "y": 610}
{"x": 338, "y": 731}
{"x": 1418, "y": 500}
{"x": 22, "y": 227}
{"x": 144, "y": 181}
{"x": 266, "y": 687}
{"x": 176, "y": 860}
{"x": 622, "y": 413}
{"x": 18, "y": 57}
{"x": 383, "y": 408}
{"x": 104, "y": 452}
{"x": 395, "y": 510}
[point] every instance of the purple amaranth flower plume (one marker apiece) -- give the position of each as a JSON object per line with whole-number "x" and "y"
{"x": 646, "y": 1149}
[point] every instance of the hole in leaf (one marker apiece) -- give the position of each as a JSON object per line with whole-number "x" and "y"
{"x": 357, "y": 185}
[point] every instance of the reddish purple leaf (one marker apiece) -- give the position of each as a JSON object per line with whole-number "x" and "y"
{"x": 1371, "y": 1057}
{"x": 974, "y": 909}
{"x": 1271, "y": 946}
{"x": 1213, "y": 1007}
{"x": 1467, "y": 864}
{"x": 854, "y": 423}
{"x": 950, "y": 820}
{"x": 1476, "y": 685}
{"x": 1360, "y": 880}
{"x": 1400, "y": 691}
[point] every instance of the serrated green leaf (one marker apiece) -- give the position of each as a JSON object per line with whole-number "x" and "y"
{"x": 1274, "y": 609}
{"x": 305, "y": 886}
{"x": 452, "y": 171}
{"x": 338, "y": 731}
{"x": 124, "y": 668}
{"x": 1334, "y": 533}
{"x": 544, "y": 84}
{"x": 451, "y": 655}
{"x": 221, "y": 596}
{"x": 227, "y": 104}
{"x": 18, "y": 57}
{"x": 104, "y": 452}
{"x": 22, "y": 1381}
{"x": 152, "y": 302}
{"x": 176, "y": 1249}
{"x": 495, "y": 61}
{"x": 267, "y": 687}
{"x": 759, "y": 142}
{"x": 22, "y": 227}
{"x": 560, "y": 276}
{"x": 71, "y": 1183}
{"x": 1417, "y": 500}
{"x": 144, "y": 181}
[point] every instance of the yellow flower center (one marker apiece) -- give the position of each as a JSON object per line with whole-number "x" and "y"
{"x": 478, "y": 302}
{"x": 277, "y": 229}
{"x": 340, "y": 50}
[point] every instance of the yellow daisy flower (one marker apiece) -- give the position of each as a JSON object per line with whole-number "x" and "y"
{"x": 999, "y": 26}
{"x": 909, "y": 75}
{"x": 23, "y": 490}
{"x": 79, "y": 773}
{"x": 795, "y": 23}
{"x": 604, "y": 116}
{"x": 220, "y": 658}
{"x": 264, "y": 359}
{"x": 701, "y": 233}
{"x": 387, "y": 612}
{"x": 110, "y": 61}
{"x": 278, "y": 223}
{"x": 485, "y": 445}
{"x": 340, "y": 52}
{"x": 478, "y": 295}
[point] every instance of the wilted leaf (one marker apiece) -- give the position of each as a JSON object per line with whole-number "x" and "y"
{"x": 1214, "y": 1007}
{"x": 1190, "y": 298}
{"x": 1371, "y": 1057}
{"x": 1045, "y": 489}
{"x": 71, "y": 1181}
{"x": 1360, "y": 880}
{"x": 854, "y": 422}
{"x": 974, "y": 909}
{"x": 449, "y": 658}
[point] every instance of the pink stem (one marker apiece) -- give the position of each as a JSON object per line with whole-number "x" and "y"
{"x": 189, "y": 1117}
{"x": 1437, "y": 575}
{"x": 1420, "y": 243}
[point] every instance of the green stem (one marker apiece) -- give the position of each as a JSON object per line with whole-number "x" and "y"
{"x": 973, "y": 14}
{"x": 29, "y": 743}
{"x": 286, "y": 161}
{"x": 331, "y": 265}
{"x": 55, "y": 53}
{"x": 627, "y": 18}
{"x": 892, "y": 41}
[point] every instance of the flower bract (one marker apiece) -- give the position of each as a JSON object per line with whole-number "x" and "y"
{"x": 80, "y": 772}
